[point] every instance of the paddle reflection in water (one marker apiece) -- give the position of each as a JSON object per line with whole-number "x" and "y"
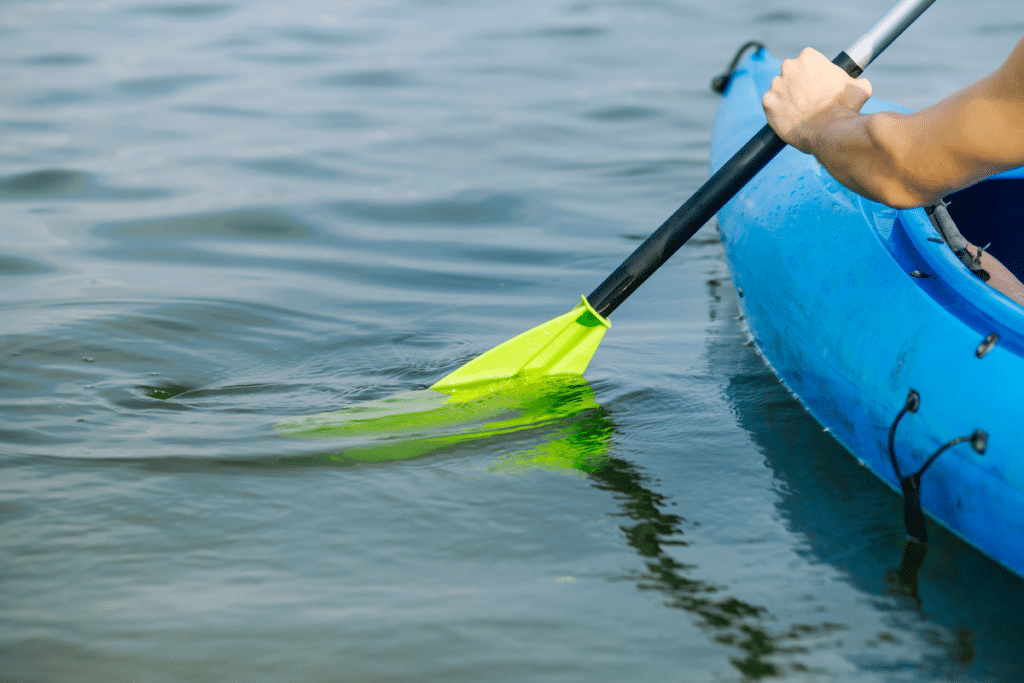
{"x": 552, "y": 422}
{"x": 555, "y": 424}
{"x": 731, "y": 621}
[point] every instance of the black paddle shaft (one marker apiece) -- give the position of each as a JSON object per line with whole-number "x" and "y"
{"x": 698, "y": 210}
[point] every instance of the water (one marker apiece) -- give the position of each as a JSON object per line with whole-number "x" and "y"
{"x": 222, "y": 216}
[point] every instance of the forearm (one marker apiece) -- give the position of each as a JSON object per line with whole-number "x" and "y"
{"x": 878, "y": 156}
{"x": 908, "y": 160}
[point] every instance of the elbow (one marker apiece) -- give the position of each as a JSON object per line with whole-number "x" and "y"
{"x": 879, "y": 158}
{"x": 893, "y": 190}
{"x": 893, "y": 176}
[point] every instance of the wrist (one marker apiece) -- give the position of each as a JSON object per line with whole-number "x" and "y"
{"x": 824, "y": 131}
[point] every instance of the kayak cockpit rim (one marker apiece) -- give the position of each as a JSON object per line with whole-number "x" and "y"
{"x": 918, "y": 248}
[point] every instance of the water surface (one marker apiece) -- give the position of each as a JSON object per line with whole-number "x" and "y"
{"x": 219, "y": 216}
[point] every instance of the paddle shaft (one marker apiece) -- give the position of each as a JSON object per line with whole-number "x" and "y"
{"x": 737, "y": 172}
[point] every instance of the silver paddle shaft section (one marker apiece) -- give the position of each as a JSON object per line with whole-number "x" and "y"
{"x": 885, "y": 30}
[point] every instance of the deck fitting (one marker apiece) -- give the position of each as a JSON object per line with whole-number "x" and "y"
{"x": 913, "y": 514}
{"x": 986, "y": 345}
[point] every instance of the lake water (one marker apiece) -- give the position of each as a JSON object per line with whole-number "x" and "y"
{"x": 220, "y": 216}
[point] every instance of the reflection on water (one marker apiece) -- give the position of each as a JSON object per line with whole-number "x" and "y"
{"x": 941, "y": 593}
{"x": 906, "y": 579}
{"x": 731, "y": 621}
{"x": 555, "y": 424}
{"x": 558, "y": 413}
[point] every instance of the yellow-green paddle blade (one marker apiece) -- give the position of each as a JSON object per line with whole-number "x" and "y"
{"x": 530, "y": 380}
{"x": 563, "y": 346}
{"x": 548, "y": 422}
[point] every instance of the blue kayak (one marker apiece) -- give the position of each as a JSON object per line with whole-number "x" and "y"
{"x": 911, "y": 361}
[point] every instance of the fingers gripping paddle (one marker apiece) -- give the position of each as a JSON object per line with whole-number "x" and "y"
{"x": 566, "y": 344}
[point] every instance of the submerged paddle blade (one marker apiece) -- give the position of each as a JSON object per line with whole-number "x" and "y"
{"x": 552, "y": 422}
{"x": 563, "y": 346}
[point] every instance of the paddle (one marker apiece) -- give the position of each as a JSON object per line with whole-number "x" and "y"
{"x": 566, "y": 344}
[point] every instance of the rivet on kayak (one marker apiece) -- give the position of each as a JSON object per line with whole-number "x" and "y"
{"x": 979, "y": 441}
{"x": 986, "y": 346}
{"x": 739, "y": 291}
{"x": 918, "y": 273}
{"x": 913, "y": 401}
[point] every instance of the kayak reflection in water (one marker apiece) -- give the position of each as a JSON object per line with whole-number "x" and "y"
{"x": 904, "y": 160}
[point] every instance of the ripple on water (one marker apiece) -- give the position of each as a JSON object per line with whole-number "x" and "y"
{"x": 469, "y": 208}
{"x": 292, "y": 167}
{"x": 343, "y": 120}
{"x": 57, "y": 97}
{"x": 202, "y": 246}
{"x": 58, "y": 59}
{"x": 165, "y": 85}
{"x": 623, "y": 113}
{"x": 573, "y": 31}
{"x": 317, "y": 36}
{"x": 370, "y": 78}
{"x": 185, "y": 10}
{"x": 58, "y": 183}
{"x": 48, "y": 183}
{"x": 110, "y": 373}
{"x": 13, "y": 265}
{"x": 246, "y": 224}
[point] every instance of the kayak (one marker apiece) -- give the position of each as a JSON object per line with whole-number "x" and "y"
{"x": 889, "y": 340}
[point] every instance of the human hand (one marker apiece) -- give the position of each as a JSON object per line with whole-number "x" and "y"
{"x": 811, "y": 93}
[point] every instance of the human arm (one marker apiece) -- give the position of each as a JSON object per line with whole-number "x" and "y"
{"x": 903, "y": 160}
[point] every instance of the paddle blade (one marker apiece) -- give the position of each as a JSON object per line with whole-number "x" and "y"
{"x": 563, "y": 346}
{"x": 552, "y": 423}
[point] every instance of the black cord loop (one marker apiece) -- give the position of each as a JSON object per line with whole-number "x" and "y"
{"x": 913, "y": 515}
{"x": 720, "y": 82}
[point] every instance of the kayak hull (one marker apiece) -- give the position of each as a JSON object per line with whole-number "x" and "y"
{"x": 824, "y": 283}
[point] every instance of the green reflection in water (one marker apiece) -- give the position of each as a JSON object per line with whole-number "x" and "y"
{"x": 556, "y": 413}
{"x": 556, "y": 425}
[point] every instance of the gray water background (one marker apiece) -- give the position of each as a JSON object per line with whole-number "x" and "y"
{"x": 216, "y": 216}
